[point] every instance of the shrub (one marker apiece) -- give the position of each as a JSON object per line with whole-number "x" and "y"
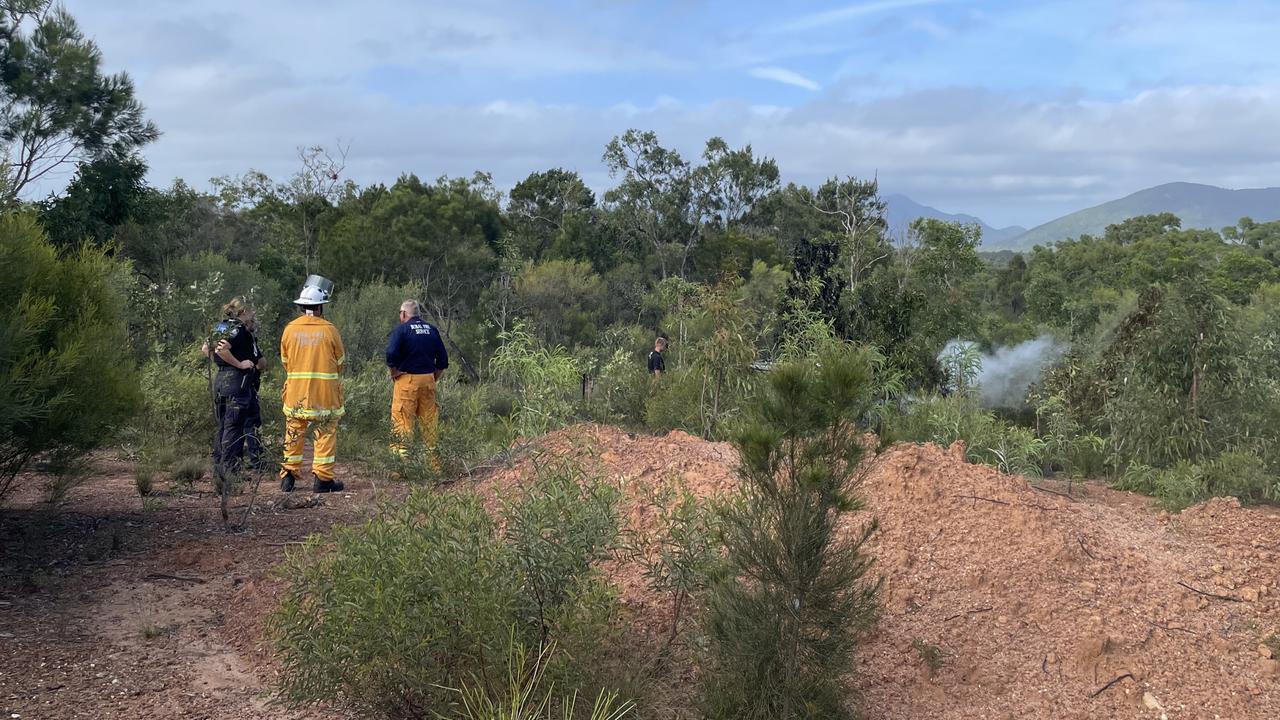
{"x": 557, "y": 530}
{"x": 681, "y": 556}
{"x": 187, "y": 472}
{"x": 526, "y": 694}
{"x": 408, "y": 601}
{"x": 988, "y": 440}
{"x": 934, "y": 656}
{"x": 564, "y": 300}
{"x": 1242, "y": 475}
{"x": 547, "y": 382}
{"x": 783, "y": 623}
{"x": 177, "y": 407}
{"x": 1010, "y": 449}
{"x": 365, "y": 315}
{"x": 470, "y": 433}
{"x": 143, "y": 481}
{"x": 672, "y": 402}
{"x": 431, "y": 594}
{"x": 621, "y": 388}
{"x": 366, "y": 393}
{"x": 1231, "y": 474}
{"x": 708, "y": 376}
{"x": 961, "y": 363}
{"x": 60, "y": 316}
{"x": 1067, "y": 447}
{"x": 1181, "y": 485}
{"x": 64, "y": 474}
{"x": 1174, "y": 380}
{"x": 174, "y": 313}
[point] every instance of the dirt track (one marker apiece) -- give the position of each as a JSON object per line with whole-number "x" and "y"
{"x": 1034, "y": 601}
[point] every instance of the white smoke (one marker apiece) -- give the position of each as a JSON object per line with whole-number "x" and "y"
{"x": 1007, "y": 373}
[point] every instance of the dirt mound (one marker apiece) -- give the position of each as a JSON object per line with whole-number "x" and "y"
{"x": 1026, "y": 601}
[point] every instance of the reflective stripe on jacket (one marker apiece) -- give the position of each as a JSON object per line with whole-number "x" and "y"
{"x": 312, "y": 354}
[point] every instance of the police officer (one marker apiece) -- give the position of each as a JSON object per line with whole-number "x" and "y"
{"x": 416, "y": 358}
{"x": 235, "y": 352}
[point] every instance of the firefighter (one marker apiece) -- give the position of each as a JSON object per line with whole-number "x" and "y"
{"x": 416, "y": 358}
{"x": 312, "y": 355}
{"x": 235, "y": 352}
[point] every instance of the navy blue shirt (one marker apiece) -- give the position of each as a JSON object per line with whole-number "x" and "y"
{"x": 415, "y": 347}
{"x": 243, "y": 345}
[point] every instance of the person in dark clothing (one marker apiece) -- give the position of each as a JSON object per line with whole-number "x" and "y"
{"x": 416, "y": 358}
{"x": 235, "y": 352}
{"x": 253, "y": 426}
{"x": 657, "y": 364}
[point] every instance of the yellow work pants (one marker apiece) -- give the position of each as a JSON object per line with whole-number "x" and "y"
{"x": 326, "y": 446}
{"x": 414, "y": 397}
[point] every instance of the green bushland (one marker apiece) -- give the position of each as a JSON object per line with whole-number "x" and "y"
{"x": 435, "y": 593}
{"x": 65, "y": 383}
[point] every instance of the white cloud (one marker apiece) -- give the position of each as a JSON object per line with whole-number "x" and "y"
{"x": 968, "y": 150}
{"x": 784, "y": 76}
{"x": 243, "y": 89}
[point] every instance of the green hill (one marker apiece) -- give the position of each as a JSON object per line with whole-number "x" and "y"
{"x": 1199, "y": 206}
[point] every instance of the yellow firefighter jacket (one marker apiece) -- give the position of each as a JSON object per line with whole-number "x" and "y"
{"x": 312, "y": 354}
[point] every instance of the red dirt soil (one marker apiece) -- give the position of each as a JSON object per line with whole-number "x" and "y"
{"x": 1039, "y": 600}
{"x": 1035, "y": 601}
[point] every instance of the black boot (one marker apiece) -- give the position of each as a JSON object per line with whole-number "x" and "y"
{"x": 287, "y": 481}
{"x": 327, "y": 486}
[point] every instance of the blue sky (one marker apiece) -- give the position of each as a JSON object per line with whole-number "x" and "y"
{"x": 1013, "y": 111}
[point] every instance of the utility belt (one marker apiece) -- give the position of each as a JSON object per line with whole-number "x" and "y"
{"x": 231, "y": 380}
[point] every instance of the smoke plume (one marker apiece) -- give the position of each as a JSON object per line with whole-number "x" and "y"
{"x": 1007, "y": 372}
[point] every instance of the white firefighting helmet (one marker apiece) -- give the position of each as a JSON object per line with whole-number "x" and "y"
{"x": 315, "y": 291}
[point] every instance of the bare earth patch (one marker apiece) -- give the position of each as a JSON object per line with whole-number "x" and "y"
{"x": 1001, "y": 600}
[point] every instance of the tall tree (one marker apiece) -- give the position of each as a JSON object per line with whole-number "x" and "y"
{"x": 735, "y": 180}
{"x": 656, "y": 202}
{"x": 669, "y": 204}
{"x": 546, "y": 209}
{"x": 59, "y": 109}
{"x": 105, "y": 194}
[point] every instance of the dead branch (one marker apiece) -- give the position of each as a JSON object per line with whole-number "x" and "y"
{"x": 1059, "y": 493}
{"x": 968, "y": 612}
{"x": 1107, "y": 687}
{"x": 976, "y": 497}
{"x": 167, "y": 576}
{"x": 1228, "y": 598}
{"x": 1164, "y": 627}
{"x": 1085, "y": 548}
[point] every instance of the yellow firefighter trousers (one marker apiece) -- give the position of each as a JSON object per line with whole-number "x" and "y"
{"x": 326, "y": 445}
{"x": 414, "y": 396}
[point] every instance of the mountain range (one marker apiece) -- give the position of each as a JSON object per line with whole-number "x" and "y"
{"x": 901, "y": 210}
{"x": 1199, "y": 206}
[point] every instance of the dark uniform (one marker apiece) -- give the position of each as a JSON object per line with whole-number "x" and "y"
{"x": 656, "y": 362}
{"x": 416, "y": 352}
{"x": 236, "y": 399}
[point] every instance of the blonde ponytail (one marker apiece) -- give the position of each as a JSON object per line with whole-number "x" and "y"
{"x": 236, "y": 307}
